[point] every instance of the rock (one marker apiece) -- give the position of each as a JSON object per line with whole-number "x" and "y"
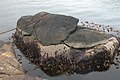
{"x": 86, "y": 38}
{"x": 59, "y": 59}
{"x": 8, "y": 64}
{"x": 48, "y": 28}
{"x": 10, "y": 68}
{"x": 58, "y": 45}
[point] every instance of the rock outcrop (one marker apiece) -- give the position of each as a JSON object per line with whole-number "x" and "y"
{"x": 59, "y": 46}
{"x": 48, "y": 28}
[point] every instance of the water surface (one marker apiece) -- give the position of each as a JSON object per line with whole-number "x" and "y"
{"x": 105, "y": 12}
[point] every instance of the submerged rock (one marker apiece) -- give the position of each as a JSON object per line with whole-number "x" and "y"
{"x": 58, "y": 45}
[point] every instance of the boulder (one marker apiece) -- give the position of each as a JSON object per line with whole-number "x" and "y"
{"x": 58, "y": 45}
{"x": 48, "y": 28}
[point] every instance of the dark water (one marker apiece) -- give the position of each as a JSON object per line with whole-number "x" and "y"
{"x": 105, "y": 12}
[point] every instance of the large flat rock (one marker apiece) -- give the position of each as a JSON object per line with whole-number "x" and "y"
{"x": 86, "y": 38}
{"x": 48, "y": 28}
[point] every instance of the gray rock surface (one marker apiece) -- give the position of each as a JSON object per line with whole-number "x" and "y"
{"x": 85, "y": 38}
{"x": 48, "y": 28}
{"x": 53, "y": 29}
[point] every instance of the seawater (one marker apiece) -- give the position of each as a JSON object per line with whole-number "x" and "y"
{"x": 106, "y": 12}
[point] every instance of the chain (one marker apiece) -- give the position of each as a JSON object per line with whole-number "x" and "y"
{"x": 7, "y": 31}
